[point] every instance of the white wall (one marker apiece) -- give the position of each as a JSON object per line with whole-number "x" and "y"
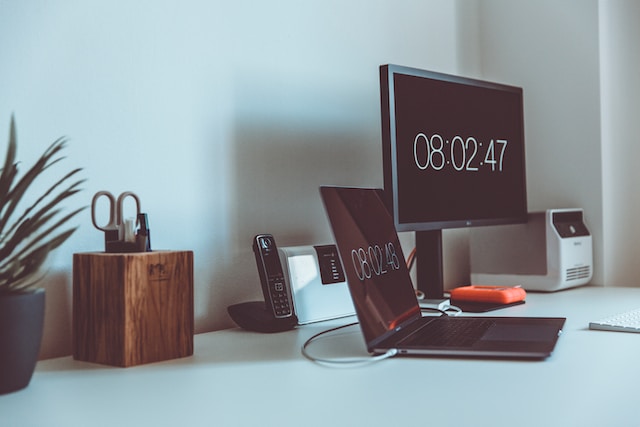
{"x": 224, "y": 117}
{"x": 578, "y": 62}
{"x": 620, "y": 88}
{"x": 550, "y": 48}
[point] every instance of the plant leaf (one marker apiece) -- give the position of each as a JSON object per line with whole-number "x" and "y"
{"x": 70, "y": 191}
{"x": 41, "y": 236}
{"x": 9, "y": 170}
{"x": 17, "y": 192}
{"x": 28, "y": 264}
{"x": 29, "y": 239}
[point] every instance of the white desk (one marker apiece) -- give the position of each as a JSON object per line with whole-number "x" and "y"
{"x": 238, "y": 378}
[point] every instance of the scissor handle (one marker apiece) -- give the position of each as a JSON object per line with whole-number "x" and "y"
{"x": 113, "y": 223}
{"x": 120, "y": 205}
{"x": 115, "y": 209}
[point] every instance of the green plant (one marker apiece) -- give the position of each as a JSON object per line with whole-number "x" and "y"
{"x": 28, "y": 235}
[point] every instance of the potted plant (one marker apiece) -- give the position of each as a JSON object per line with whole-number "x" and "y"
{"x": 30, "y": 228}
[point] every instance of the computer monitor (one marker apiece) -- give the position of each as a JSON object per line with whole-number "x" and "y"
{"x": 453, "y": 157}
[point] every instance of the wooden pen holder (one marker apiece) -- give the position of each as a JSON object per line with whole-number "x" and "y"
{"x": 132, "y": 308}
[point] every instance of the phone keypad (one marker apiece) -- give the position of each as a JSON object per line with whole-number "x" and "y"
{"x": 280, "y": 299}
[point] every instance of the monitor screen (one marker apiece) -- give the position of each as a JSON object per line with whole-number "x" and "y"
{"x": 453, "y": 150}
{"x": 453, "y": 157}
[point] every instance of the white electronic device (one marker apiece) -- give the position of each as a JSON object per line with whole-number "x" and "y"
{"x": 552, "y": 251}
{"x": 317, "y": 282}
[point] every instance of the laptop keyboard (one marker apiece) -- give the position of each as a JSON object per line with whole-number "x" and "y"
{"x": 449, "y": 332}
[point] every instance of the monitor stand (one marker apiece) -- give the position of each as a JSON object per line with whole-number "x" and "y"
{"x": 429, "y": 274}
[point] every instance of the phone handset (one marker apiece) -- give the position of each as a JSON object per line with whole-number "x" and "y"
{"x": 277, "y": 297}
{"x": 276, "y": 312}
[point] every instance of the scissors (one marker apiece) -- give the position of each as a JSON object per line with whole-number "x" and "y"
{"x": 116, "y": 217}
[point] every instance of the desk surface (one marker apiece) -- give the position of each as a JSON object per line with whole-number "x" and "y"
{"x": 241, "y": 378}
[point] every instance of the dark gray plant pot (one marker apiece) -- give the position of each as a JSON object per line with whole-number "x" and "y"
{"x": 21, "y": 323}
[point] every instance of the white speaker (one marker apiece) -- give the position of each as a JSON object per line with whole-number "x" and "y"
{"x": 552, "y": 251}
{"x": 317, "y": 282}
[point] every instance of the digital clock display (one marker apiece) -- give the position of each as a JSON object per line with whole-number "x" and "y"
{"x": 459, "y": 150}
{"x": 372, "y": 257}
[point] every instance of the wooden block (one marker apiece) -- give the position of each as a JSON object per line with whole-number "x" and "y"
{"x": 132, "y": 308}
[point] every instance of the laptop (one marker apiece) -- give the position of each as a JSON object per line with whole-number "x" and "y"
{"x": 385, "y": 301}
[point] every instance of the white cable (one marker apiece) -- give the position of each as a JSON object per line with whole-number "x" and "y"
{"x": 456, "y": 310}
{"x": 343, "y": 362}
{"x": 359, "y": 361}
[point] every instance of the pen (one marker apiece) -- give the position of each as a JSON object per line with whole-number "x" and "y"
{"x": 144, "y": 234}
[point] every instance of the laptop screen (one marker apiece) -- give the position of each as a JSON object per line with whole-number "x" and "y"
{"x": 375, "y": 266}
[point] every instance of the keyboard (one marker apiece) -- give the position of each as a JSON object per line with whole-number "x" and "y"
{"x": 449, "y": 332}
{"x": 628, "y": 321}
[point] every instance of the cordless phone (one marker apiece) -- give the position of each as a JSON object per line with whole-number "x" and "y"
{"x": 276, "y": 312}
{"x": 277, "y": 297}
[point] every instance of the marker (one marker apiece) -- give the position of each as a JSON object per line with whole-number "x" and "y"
{"x": 144, "y": 234}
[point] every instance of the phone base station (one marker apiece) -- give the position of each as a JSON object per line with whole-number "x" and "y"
{"x": 253, "y": 316}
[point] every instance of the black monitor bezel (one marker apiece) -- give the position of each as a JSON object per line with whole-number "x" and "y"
{"x": 389, "y": 143}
